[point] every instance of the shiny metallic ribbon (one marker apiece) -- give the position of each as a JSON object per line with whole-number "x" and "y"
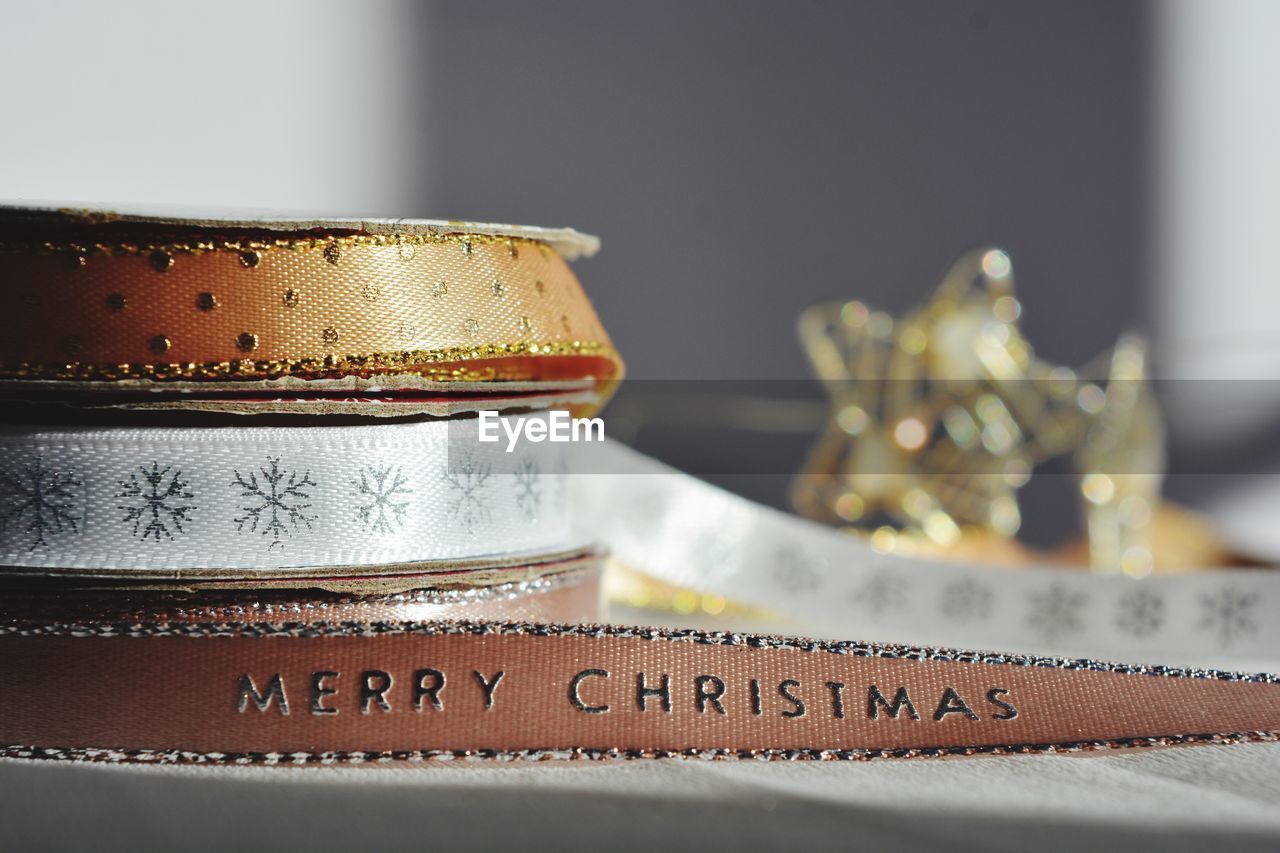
{"x": 97, "y": 298}
{"x": 263, "y": 501}
{"x": 323, "y": 692}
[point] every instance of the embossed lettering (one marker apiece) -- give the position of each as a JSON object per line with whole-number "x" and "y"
{"x": 876, "y": 700}
{"x": 755, "y": 697}
{"x": 576, "y": 698}
{"x": 837, "y": 698}
{"x": 374, "y": 684}
{"x": 275, "y": 689}
{"x": 663, "y": 691}
{"x": 488, "y": 686}
{"x": 784, "y": 689}
{"x": 993, "y": 696}
{"x": 952, "y": 704}
{"x": 432, "y": 692}
{"x": 319, "y": 690}
{"x": 702, "y": 696}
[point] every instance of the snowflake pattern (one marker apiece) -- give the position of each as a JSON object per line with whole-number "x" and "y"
{"x": 275, "y": 504}
{"x": 795, "y": 571}
{"x": 882, "y": 591}
{"x": 966, "y": 600}
{"x": 1228, "y": 614}
{"x": 42, "y": 502}
{"x": 528, "y": 488}
{"x": 156, "y": 502}
{"x": 378, "y": 493}
{"x": 468, "y": 483}
{"x": 1055, "y": 612}
{"x": 1140, "y": 612}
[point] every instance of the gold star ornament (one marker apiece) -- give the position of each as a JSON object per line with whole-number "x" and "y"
{"x": 940, "y": 416}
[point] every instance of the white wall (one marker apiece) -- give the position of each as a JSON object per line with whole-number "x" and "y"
{"x": 1217, "y": 298}
{"x": 281, "y": 104}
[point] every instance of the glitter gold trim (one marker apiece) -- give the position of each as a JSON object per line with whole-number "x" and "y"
{"x": 250, "y": 248}
{"x": 427, "y": 363}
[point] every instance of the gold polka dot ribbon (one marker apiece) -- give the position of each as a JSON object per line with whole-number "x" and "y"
{"x": 103, "y": 298}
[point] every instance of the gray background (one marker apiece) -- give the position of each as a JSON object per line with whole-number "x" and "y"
{"x": 742, "y": 160}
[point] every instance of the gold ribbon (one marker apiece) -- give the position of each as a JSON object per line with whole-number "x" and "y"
{"x": 155, "y": 300}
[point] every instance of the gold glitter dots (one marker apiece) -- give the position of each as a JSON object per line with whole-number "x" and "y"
{"x": 498, "y": 288}
{"x": 250, "y": 258}
{"x": 75, "y": 260}
{"x": 467, "y": 247}
{"x": 117, "y": 303}
{"x": 407, "y": 251}
{"x": 472, "y": 326}
{"x": 440, "y": 289}
{"x": 291, "y": 298}
{"x": 206, "y": 301}
{"x": 160, "y": 344}
{"x": 525, "y": 325}
{"x": 370, "y": 291}
{"x": 330, "y": 335}
{"x": 332, "y": 253}
{"x": 247, "y": 342}
{"x": 161, "y": 261}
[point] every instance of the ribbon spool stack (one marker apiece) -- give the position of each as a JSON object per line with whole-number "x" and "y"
{"x": 243, "y": 426}
{"x": 245, "y": 517}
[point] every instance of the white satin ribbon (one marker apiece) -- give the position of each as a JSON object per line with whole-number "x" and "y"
{"x": 691, "y": 534}
{"x": 249, "y": 500}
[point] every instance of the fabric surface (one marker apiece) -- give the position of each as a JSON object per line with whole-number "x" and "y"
{"x": 1167, "y": 799}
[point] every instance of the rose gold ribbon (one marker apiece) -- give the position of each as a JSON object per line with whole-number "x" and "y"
{"x": 301, "y": 692}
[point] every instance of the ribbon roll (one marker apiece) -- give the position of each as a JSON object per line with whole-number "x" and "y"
{"x": 554, "y": 588}
{"x": 324, "y": 692}
{"x": 96, "y": 297}
{"x": 235, "y": 502}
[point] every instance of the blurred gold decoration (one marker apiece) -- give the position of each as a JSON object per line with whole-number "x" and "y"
{"x": 1121, "y": 464}
{"x": 938, "y": 419}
